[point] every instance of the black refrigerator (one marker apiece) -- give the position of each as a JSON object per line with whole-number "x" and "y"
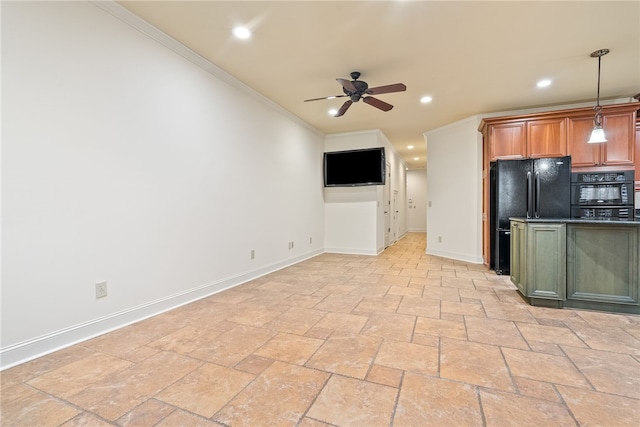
{"x": 528, "y": 188}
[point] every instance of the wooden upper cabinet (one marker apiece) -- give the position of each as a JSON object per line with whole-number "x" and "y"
{"x": 565, "y": 132}
{"x": 507, "y": 141}
{"x": 619, "y": 129}
{"x": 527, "y": 139}
{"x": 582, "y": 154}
{"x": 619, "y": 150}
{"x": 546, "y": 138}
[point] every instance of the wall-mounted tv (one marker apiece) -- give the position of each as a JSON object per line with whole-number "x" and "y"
{"x": 354, "y": 167}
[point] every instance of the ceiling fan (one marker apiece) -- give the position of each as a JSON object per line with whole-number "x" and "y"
{"x": 357, "y": 90}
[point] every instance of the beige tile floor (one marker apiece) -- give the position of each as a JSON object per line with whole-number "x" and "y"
{"x": 400, "y": 339}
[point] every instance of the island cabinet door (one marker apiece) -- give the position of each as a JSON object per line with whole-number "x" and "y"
{"x": 603, "y": 264}
{"x": 518, "y": 255}
{"x": 546, "y": 267}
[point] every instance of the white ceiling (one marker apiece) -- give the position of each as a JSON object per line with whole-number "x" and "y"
{"x": 472, "y": 57}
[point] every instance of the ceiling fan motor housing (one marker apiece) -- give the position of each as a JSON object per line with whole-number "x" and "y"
{"x": 361, "y": 88}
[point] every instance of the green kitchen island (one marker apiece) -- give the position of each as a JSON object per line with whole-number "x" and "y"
{"x": 577, "y": 263}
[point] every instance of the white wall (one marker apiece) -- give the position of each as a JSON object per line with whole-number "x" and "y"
{"x": 124, "y": 162}
{"x": 417, "y": 200}
{"x": 454, "y": 190}
{"x": 354, "y": 216}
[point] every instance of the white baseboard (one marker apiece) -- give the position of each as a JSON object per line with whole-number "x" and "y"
{"x": 456, "y": 256}
{"x": 31, "y": 349}
{"x": 352, "y": 251}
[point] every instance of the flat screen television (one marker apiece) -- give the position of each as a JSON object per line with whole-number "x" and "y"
{"x": 354, "y": 167}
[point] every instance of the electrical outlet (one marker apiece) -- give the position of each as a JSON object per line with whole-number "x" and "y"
{"x": 101, "y": 290}
{"x": 310, "y": 240}
{"x": 253, "y": 254}
{"x": 291, "y": 245}
{"x": 439, "y": 239}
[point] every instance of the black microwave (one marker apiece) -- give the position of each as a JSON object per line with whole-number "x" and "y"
{"x": 602, "y": 189}
{"x": 610, "y": 194}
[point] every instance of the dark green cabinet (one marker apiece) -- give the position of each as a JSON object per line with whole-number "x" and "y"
{"x": 578, "y": 264}
{"x": 538, "y": 262}
{"x": 603, "y": 267}
{"x": 517, "y": 255}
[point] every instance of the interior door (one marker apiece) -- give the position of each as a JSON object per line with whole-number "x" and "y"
{"x": 396, "y": 216}
{"x": 387, "y": 206}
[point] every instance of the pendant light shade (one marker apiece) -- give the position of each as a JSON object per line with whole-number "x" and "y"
{"x": 597, "y": 134}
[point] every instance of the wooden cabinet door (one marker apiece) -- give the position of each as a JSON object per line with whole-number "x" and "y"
{"x": 507, "y": 141}
{"x": 619, "y": 129}
{"x": 582, "y": 153}
{"x": 546, "y": 138}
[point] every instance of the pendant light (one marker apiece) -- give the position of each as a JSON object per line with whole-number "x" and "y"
{"x": 597, "y": 134}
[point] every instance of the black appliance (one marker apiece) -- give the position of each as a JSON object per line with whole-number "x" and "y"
{"x": 602, "y": 195}
{"x": 528, "y": 188}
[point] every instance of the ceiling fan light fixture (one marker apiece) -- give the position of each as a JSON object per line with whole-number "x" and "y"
{"x": 597, "y": 134}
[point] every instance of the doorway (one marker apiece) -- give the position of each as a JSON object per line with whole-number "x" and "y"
{"x": 387, "y": 206}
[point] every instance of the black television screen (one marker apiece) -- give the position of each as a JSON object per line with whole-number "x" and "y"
{"x": 354, "y": 167}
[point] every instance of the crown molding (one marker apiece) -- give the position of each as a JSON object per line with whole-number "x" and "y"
{"x": 124, "y": 15}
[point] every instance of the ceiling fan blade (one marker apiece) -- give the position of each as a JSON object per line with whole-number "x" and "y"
{"x": 375, "y": 102}
{"x": 325, "y": 97}
{"x": 344, "y": 108}
{"x": 347, "y": 85}
{"x": 398, "y": 87}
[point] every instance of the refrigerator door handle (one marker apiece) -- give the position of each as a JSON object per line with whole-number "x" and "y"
{"x": 529, "y": 195}
{"x": 537, "y": 196}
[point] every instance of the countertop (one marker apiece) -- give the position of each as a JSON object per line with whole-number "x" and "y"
{"x": 578, "y": 221}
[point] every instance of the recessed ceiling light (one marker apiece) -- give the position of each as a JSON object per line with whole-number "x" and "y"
{"x": 410, "y": 147}
{"x": 333, "y": 112}
{"x": 426, "y": 99}
{"x": 416, "y": 158}
{"x": 242, "y": 32}
{"x": 544, "y": 83}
